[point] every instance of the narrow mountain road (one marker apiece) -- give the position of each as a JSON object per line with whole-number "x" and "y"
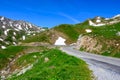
{"x": 104, "y": 68}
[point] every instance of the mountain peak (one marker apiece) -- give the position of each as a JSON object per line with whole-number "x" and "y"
{"x": 13, "y": 30}
{"x": 100, "y": 21}
{"x": 116, "y": 16}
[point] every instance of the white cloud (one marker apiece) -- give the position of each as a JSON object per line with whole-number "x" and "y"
{"x": 69, "y": 17}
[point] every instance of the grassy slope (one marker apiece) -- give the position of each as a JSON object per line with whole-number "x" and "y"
{"x": 103, "y": 34}
{"x": 10, "y": 52}
{"x": 60, "y": 66}
{"x": 107, "y": 36}
{"x": 68, "y": 30}
{"x": 42, "y": 37}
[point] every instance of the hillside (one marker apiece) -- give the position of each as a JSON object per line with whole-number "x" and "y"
{"x": 27, "y": 63}
{"x": 103, "y": 39}
{"x": 11, "y": 31}
{"x": 34, "y": 55}
{"x": 98, "y": 35}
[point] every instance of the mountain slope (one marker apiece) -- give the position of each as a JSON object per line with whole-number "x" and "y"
{"x": 95, "y": 38}
{"x": 12, "y": 30}
{"x": 103, "y": 39}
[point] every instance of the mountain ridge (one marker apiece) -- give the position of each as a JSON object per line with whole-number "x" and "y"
{"x": 12, "y": 30}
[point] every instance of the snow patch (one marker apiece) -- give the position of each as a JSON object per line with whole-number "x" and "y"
{"x": 60, "y": 41}
{"x": 16, "y": 29}
{"x": 34, "y": 34}
{"x": 6, "y": 31}
{"x": 1, "y": 39}
{"x": 88, "y": 30}
{"x": 93, "y": 24}
{"x": 14, "y": 43}
{"x": 27, "y": 27}
{"x": 3, "y": 47}
{"x": 98, "y": 20}
{"x": 14, "y": 33}
{"x": 7, "y": 43}
{"x": 30, "y": 25}
{"x": 3, "y": 26}
{"x": 13, "y": 38}
{"x": 116, "y": 16}
{"x": 19, "y": 27}
{"x": 23, "y": 37}
{"x": 2, "y": 18}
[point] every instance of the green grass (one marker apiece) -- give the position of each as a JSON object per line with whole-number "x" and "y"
{"x": 117, "y": 55}
{"x": 42, "y": 37}
{"x": 10, "y": 52}
{"x": 68, "y": 30}
{"x": 27, "y": 59}
{"x": 60, "y": 66}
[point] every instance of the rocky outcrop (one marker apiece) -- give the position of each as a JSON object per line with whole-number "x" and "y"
{"x": 97, "y": 44}
{"x": 88, "y": 43}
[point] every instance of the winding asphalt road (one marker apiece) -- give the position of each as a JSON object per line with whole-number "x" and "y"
{"x": 104, "y": 68}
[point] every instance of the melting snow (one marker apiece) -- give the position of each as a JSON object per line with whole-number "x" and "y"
{"x": 34, "y": 34}
{"x": 5, "y": 32}
{"x": 14, "y": 33}
{"x": 98, "y": 20}
{"x": 116, "y": 16}
{"x": 30, "y": 25}
{"x": 88, "y": 30}
{"x": 1, "y": 39}
{"x": 13, "y": 38}
{"x": 23, "y": 37}
{"x": 27, "y": 27}
{"x": 3, "y": 26}
{"x": 93, "y": 24}
{"x": 7, "y": 43}
{"x": 19, "y": 27}
{"x": 2, "y": 18}
{"x": 60, "y": 41}
{"x": 16, "y": 29}
{"x": 14, "y": 43}
{"x": 3, "y": 47}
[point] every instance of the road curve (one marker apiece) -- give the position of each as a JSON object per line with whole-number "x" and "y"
{"x": 104, "y": 68}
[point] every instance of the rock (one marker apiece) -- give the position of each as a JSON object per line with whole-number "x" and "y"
{"x": 46, "y": 59}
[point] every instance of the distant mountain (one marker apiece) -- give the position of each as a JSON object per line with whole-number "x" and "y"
{"x": 11, "y": 31}
{"x": 100, "y": 21}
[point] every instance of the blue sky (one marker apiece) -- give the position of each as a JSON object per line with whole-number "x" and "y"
{"x": 49, "y": 13}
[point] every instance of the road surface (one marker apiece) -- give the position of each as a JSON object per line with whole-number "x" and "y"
{"x": 104, "y": 68}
